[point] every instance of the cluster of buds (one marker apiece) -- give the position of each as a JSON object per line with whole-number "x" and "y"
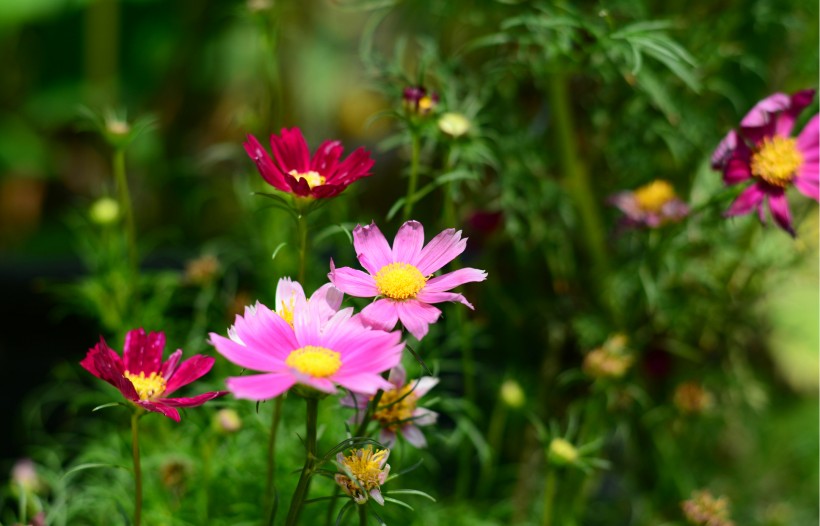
{"x": 417, "y": 101}
{"x": 703, "y": 509}
{"x": 611, "y": 360}
{"x": 363, "y": 472}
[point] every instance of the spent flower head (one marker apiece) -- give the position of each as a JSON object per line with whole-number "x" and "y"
{"x": 611, "y": 360}
{"x": 704, "y": 509}
{"x": 691, "y": 398}
{"x": 362, "y": 473}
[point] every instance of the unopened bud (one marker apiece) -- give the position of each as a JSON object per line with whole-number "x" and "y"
{"x": 104, "y": 211}
{"x": 227, "y": 421}
{"x": 512, "y": 394}
{"x": 454, "y": 124}
{"x": 562, "y": 452}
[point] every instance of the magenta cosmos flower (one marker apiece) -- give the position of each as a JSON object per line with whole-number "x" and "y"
{"x": 401, "y": 276}
{"x": 398, "y": 411}
{"x": 764, "y": 151}
{"x": 318, "y": 350}
{"x": 293, "y": 171}
{"x": 651, "y": 205}
{"x": 143, "y": 378}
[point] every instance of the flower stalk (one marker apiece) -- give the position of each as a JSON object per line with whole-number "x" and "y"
{"x": 135, "y": 451}
{"x": 415, "y": 155}
{"x": 270, "y": 485}
{"x": 125, "y": 205}
{"x": 310, "y": 461}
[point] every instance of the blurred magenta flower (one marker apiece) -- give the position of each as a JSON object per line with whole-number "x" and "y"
{"x": 402, "y": 276}
{"x": 143, "y": 378}
{"x": 651, "y": 205}
{"x": 320, "y": 350}
{"x": 293, "y": 171}
{"x": 764, "y": 150}
{"x": 398, "y": 412}
{"x": 418, "y": 101}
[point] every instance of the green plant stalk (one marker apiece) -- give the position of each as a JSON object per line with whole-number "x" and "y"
{"x": 449, "y": 214}
{"x": 310, "y": 461}
{"x": 302, "y": 232}
{"x": 362, "y": 514}
{"x": 415, "y": 155}
{"x": 125, "y": 204}
{"x": 549, "y": 498}
{"x": 135, "y": 451}
{"x": 270, "y": 482}
{"x": 495, "y": 435}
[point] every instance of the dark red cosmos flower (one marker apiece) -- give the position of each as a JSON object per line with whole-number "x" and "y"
{"x": 143, "y": 378}
{"x": 293, "y": 171}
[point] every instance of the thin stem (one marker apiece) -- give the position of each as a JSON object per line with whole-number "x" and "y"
{"x": 549, "y": 498}
{"x": 449, "y": 214}
{"x": 302, "y": 227}
{"x": 310, "y": 461}
{"x": 135, "y": 451}
{"x": 409, "y": 200}
{"x": 270, "y": 487}
{"x": 125, "y": 204}
{"x": 371, "y": 409}
{"x": 362, "y": 514}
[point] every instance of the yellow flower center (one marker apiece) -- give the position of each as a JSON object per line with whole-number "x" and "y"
{"x": 365, "y": 466}
{"x": 314, "y": 361}
{"x": 313, "y": 178}
{"x": 148, "y": 388}
{"x": 399, "y": 281}
{"x": 653, "y": 196}
{"x": 776, "y": 160}
{"x": 396, "y": 407}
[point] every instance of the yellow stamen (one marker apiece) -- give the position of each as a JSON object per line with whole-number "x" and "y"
{"x": 653, "y": 196}
{"x": 366, "y": 466}
{"x": 318, "y": 362}
{"x": 147, "y": 388}
{"x": 776, "y": 160}
{"x": 396, "y": 407}
{"x": 286, "y": 311}
{"x": 399, "y": 281}
{"x": 313, "y": 178}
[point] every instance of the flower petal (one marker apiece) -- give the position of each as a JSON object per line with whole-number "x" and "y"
{"x": 738, "y": 167}
{"x": 267, "y": 169}
{"x": 260, "y": 386}
{"x": 808, "y": 142}
{"x": 104, "y": 363}
{"x": 290, "y": 151}
{"x": 250, "y": 358}
{"x": 365, "y": 383}
{"x": 160, "y": 408}
{"x": 760, "y": 120}
{"x": 747, "y": 201}
{"x": 190, "y": 370}
{"x": 439, "y": 297}
{"x": 171, "y": 363}
{"x": 142, "y": 352}
{"x": 441, "y": 250}
{"x": 356, "y": 166}
{"x": 724, "y": 150}
{"x": 381, "y": 314}
{"x": 353, "y": 282}
{"x": 453, "y": 279}
{"x": 191, "y": 401}
{"x": 417, "y": 316}
{"x": 808, "y": 181}
{"x": 408, "y": 242}
{"x": 424, "y": 417}
{"x": 370, "y": 242}
{"x": 328, "y": 299}
{"x": 414, "y": 436}
{"x": 387, "y": 437}
{"x": 779, "y": 207}
{"x": 326, "y": 159}
{"x": 397, "y": 376}
{"x": 423, "y": 385}
{"x": 797, "y": 103}
{"x": 287, "y": 292}
{"x": 265, "y": 333}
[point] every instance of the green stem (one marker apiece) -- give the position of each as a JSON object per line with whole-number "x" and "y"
{"x": 449, "y": 214}
{"x": 270, "y": 488}
{"x": 415, "y": 155}
{"x": 302, "y": 228}
{"x": 310, "y": 461}
{"x": 362, "y": 514}
{"x": 125, "y": 204}
{"x": 549, "y": 498}
{"x": 135, "y": 451}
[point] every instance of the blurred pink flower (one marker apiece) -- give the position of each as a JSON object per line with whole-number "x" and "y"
{"x": 764, "y": 150}
{"x": 321, "y": 349}
{"x": 293, "y": 171}
{"x": 143, "y": 378}
{"x": 398, "y": 412}
{"x": 402, "y": 276}
{"x": 651, "y": 205}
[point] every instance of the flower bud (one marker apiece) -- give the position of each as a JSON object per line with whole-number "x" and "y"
{"x": 24, "y": 474}
{"x": 227, "y": 421}
{"x": 104, "y": 211}
{"x": 562, "y": 453}
{"x": 454, "y": 124}
{"x": 512, "y": 394}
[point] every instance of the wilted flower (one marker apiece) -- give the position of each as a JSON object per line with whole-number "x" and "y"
{"x": 764, "y": 150}
{"x": 651, "y": 205}
{"x": 318, "y": 347}
{"x": 402, "y": 276}
{"x": 363, "y": 473}
{"x": 104, "y": 211}
{"x": 512, "y": 394}
{"x": 417, "y": 101}
{"x": 611, "y": 360}
{"x": 692, "y": 398}
{"x": 454, "y": 124}
{"x": 703, "y": 509}
{"x": 174, "y": 474}
{"x": 293, "y": 171}
{"x": 143, "y": 378}
{"x": 397, "y": 411}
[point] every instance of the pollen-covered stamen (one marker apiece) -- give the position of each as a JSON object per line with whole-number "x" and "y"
{"x": 147, "y": 388}
{"x": 368, "y": 469}
{"x": 653, "y": 196}
{"x": 776, "y": 160}
{"x": 286, "y": 309}
{"x": 313, "y": 178}
{"x": 396, "y": 407}
{"x": 399, "y": 281}
{"x": 317, "y": 362}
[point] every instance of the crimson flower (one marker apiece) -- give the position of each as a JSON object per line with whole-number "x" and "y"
{"x": 143, "y": 378}
{"x": 293, "y": 171}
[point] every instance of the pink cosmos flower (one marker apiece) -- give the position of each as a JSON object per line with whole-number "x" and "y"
{"x": 401, "y": 276}
{"x": 143, "y": 378}
{"x": 321, "y": 349}
{"x": 293, "y": 171}
{"x": 398, "y": 412}
{"x": 651, "y": 205}
{"x": 764, "y": 151}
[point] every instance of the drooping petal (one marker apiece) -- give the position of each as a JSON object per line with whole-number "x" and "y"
{"x": 408, "y": 242}
{"x": 190, "y": 370}
{"x": 808, "y": 142}
{"x": 439, "y": 297}
{"x": 142, "y": 352}
{"x": 381, "y": 314}
{"x": 779, "y": 207}
{"x": 747, "y": 201}
{"x": 326, "y": 159}
{"x": 160, "y": 408}
{"x": 353, "y": 282}
{"x": 414, "y": 436}
{"x": 797, "y": 103}
{"x": 441, "y": 250}
{"x": 260, "y": 386}
{"x": 267, "y": 169}
{"x": 192, "y": 401}
{"x": 171, "y": 363}
{"x": 246, "y": 357}
{"x": 453, "y": 279}
{"x": 290, "y": 151}
{"x": 376, "y": 495}
{"x": 417, "y": 316}
{"x": 369, "y": 241}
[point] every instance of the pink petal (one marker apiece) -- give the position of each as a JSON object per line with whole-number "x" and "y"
{"x": 353, "y": 282}
{"x": 190, "y": 370}
{"x": 381, "y": 314}
{"x": 143, "y": 353}
{"x": 160, "y": 408}
{"x": 327, "y": 158}
{"x": 808, "y": 181}
{"x": 417, "y": 316}
{"x": 759, "y": 122}
{"x": 453, "y": 279}
{"x": 423, "y": 385}
{"x": 249, "y": 358}
{"x": 628, "y": 204}
{"x": 269, "y": 171}
{"x": 808, "y": 142}
{"x": 408, "y": 242}
{"x": 424, "y": 417}
{"x": 356, "y": 166}
{"x": 325, "y": 385}
{"x": 738, "y": 167}
{"x": 365, "y": 383}
{"x": 797, "y": 103}
{"x": 171, "y": 363}
{"x": 440, "y": 297}
{"x": 191, "y": 401}
{"x": 387, "y": 437}
{"x": 414, "y": 436}
{"x": 747, "y": 201}
{"x": 265, "y": 332}
{"x": 287, "y": 292}
{"x": 724, "y": 150}
{"x": 397, "y": 376}
{"x": 260, "y": 386}
{"x": 328, "y": 299}
{"x": 291, "y": 151}
{"x": 441, "y": 250}
{"x": 370, "y": 242}
{"x": 779, "y": 207}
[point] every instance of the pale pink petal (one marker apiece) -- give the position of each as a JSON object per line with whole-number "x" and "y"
{"x": 190, "y": 370}
{"x": 439, "y": 297}
{"x": 387, "y": 437}
{"x": 408, "y": 242}
{"x": 423, "y": 385}
{"x": 441, "y": 250}
{"x": 453, "y": 279}
{"x": 779, "y": 207}
{"x": 808, "y": 181}
{"x": 808, "y": 142}
{"x": 260, "y": 386}
{"x": 424, "y": 417}
{"x": 287, "y": 292}
{"x": 355, "y": 400}
{"x": 747, "y": 201}
{"x": 724, "y": 150}
{"x": 797, "y": 103}
{"x": 414, "y": 436}
{"x": 376, "y": 495}
{"x": 397, "y": 376}
{"x": 328, "y": 298}
{"x": 370, "y": 242}
{"x": 381, "y": 314}
{"x": 760, "y": 120}
{"x": 627, "y": 203}
{"x": 247, "y": 357}
{"x": 417, "y": 316}
{"x": 353, "y": 282}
